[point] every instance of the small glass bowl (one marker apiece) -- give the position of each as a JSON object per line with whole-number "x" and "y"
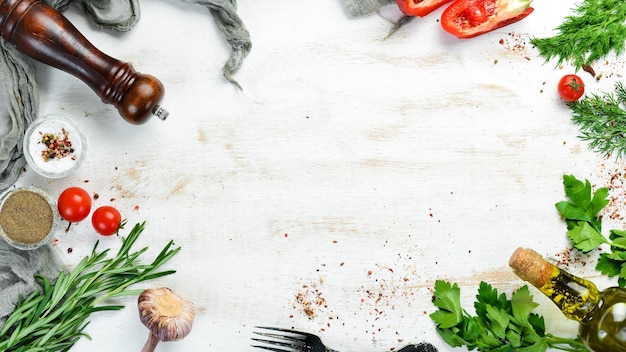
{"x": 23, "y": 218}
{"x": 64, "y": 161}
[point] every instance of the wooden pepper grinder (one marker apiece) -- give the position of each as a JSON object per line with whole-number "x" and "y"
{"x": 43, "y": 33}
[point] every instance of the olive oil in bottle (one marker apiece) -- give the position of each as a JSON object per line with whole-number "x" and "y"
{"x": 601, "y": 314}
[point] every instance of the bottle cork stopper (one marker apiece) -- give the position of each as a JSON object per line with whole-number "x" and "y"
{"x": 530, "y": 266}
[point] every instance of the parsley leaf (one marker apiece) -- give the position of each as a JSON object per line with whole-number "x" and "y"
{"x": 585, "y": 237}
{"x": 522, "y": 305}
{"x": 584, "y": 224}
{"x": 448, "y": 302}
{"x": 583, "y": 205}
{"x": 500, "y": 324}
{"x": 609, "y": 264}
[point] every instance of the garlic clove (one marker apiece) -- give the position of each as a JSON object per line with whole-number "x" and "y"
{"x": 167, "y": 315}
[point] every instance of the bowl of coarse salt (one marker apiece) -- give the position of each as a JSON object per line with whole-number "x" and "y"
{"x": 54, "y": 146}
{"x": 28, "y": 218}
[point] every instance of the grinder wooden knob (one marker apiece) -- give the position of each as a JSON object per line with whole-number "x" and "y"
{"x": 44, "y": 34}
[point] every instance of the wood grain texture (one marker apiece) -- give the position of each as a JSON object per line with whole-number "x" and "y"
{"x": 351, "y": 170}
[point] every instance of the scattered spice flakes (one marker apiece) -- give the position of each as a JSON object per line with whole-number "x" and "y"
{"x": 389, "y": 289}
{"x": 519, "y": 44}
{"x": 570, "y": 256}
{"x": 386, "y": 288}
{"x": 516, "y": 43}
{"x": 613, "y": 176}
{"x": 432, "y": 215}
{"x": 609, "y": 68}
{"x": 309, "y": 299}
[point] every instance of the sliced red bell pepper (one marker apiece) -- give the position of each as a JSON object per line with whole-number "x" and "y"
{"x": 419, "y": 8}
{"x": 469, "y": 18}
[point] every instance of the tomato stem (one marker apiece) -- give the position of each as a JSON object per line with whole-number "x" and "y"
{"x": 575, "y": 85}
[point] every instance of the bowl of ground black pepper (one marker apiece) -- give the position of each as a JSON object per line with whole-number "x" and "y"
{"x": 27, "y": 218}
{"x": 54, "y": 146}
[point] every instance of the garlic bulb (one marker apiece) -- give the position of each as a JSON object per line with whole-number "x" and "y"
{"x": 168, "y": 316}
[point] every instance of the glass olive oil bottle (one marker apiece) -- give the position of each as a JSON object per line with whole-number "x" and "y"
{"x": 602, "y": 315}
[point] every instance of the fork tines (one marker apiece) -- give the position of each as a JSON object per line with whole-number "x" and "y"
{"x": 280, "y": 340}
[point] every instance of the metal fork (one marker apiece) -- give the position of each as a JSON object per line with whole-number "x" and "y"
{"x": 285, "y": 340}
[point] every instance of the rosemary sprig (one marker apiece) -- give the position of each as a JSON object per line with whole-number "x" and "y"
{"x": 54, "y": 318}
{"x": 602, "y": 121}
{"x": 596, "y": 28}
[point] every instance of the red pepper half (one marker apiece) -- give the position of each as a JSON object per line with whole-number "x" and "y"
{"x": 419, "y": 8}
{"x": 469, "y": 18}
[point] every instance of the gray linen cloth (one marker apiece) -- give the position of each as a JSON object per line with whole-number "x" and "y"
{"x": 364, "y": 7}
{"x": 358, "y": 8}
{"x": 19, "y": 107}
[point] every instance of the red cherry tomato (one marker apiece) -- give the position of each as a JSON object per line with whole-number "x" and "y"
{"x": 571, "y": 88}
{"x": 106, "y": 220}
{"x": 74, "y": 204}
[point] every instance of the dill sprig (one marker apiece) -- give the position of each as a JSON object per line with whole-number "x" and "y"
{"x": 54, "y": 318}
{"x": 602, "y": 121}
{"x": 596, "y": 28}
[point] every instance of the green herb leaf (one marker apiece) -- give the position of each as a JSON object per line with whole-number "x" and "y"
{"x": 585, "y": 237}
{"x": 501, "y": 324}
{"x": 448, "y": 300}
{"x": 581, "y": 213}
{"x": 602, "y": 120}
{"x": 538, "y": 323}
{"x": 54, "y": 318}
{"x": 577, "y": 191}
{"x": 498, "y": 320}
{"x": 599, "y": 201}
{"x": 594, "y": 30}
{"x": 522, "y": 306}
{"x": 585, "y": 230}
{"x": 584, "y": 204}
{"x": 488, "y": 296}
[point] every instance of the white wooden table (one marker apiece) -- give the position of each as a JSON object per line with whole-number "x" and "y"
{"x": 351, "y": 168}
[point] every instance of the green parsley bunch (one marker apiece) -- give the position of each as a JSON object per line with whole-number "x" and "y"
{"x": 584, "y": 226}
{"x": 500, "y": 324}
